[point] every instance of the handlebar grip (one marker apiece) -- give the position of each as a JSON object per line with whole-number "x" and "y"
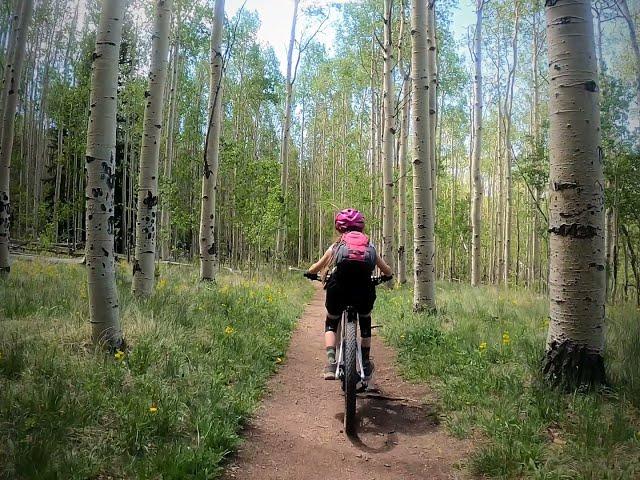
{"x": 310, "y": 276}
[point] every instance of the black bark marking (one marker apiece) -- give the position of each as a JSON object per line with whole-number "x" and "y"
{"x": 591, "y": 86}
{"x": 150, "y": 200}
{"x": 89, "y": 158}
{"x": 136, "y": 266}
{"x": 568, "y": 365}
{"x": 558, "y": 186}
{"x": 96, "y": 192}
{"x": 575, "y": 230}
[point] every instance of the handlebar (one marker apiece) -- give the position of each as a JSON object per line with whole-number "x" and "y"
{"x": 376, "y": 280}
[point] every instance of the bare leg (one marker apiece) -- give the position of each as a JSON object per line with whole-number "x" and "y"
{"x": 330, "y": 339}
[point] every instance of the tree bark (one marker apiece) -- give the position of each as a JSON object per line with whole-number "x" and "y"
{"x": 8, "y": 125}
{"x": 281, "y": 238}
{"x": 508, "y": 157}
{"x": 575, "y": 341}
{"x": 476, "y": 205}
{"x": 423, "y": 234}
{"x": 147, "y": 221}
{"x": 388, "y": 218}
{"x": 402, "y": 182}
{"x": 208, "y": 247}
{"x": 165, "y": 247}
{"x": 432, "y": 59}
{"x": 9, "y": 64}
{"x": 101, "y": 169}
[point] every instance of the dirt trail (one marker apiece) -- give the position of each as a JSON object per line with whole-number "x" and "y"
{"x": 297, "y": 433}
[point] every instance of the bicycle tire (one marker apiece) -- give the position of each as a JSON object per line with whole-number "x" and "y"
{"x": 350, "y": 378}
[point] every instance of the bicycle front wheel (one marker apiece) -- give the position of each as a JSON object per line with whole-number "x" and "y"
{"x": 350, "y": 378}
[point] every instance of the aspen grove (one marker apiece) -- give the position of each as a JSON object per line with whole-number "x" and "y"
{"x": 488, "y": 143}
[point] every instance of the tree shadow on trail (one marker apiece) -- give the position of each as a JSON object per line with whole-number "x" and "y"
{"x": 381, "y": 419}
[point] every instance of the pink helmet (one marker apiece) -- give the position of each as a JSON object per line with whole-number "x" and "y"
{"x": 349, "y": 219}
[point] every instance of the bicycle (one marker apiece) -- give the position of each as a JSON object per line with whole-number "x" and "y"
{"x": 349, "y": 365}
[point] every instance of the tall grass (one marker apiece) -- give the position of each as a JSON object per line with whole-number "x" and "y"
{"x": 170, "y": 407}
{"x": 482, "y": 353}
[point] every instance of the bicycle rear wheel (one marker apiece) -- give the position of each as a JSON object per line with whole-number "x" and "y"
{"x": 350, "y": 377}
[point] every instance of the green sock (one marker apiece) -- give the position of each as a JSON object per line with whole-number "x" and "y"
{"x": 331, "y": 354}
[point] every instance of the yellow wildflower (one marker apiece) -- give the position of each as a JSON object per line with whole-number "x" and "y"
{"x": 229, "y": 330}
{"x": 482, "y": 347}
{"x": 153, "y": 408}
{"x": 269, "y": 298}
{"x": 402, "y": 337}
{"x": 278, "y": 360}
{"x": 506, "y": 339}
{"x": 119, "y": 355}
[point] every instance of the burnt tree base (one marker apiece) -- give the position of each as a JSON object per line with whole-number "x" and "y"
{"x": 570, "y": 366}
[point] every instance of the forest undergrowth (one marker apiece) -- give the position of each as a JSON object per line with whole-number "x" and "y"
{"x": 482, "y": 352}
{"x": 170, "y": 406}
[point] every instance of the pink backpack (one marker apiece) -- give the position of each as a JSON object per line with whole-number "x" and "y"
{"x": 354, "y": 247}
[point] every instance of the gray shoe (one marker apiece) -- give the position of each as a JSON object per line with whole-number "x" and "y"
{"x": 330, "y": 371}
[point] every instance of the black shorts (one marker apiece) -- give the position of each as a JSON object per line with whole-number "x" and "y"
{"x": 360, "y": 296}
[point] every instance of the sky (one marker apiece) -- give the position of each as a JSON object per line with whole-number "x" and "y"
{"x": 275, "y": 16}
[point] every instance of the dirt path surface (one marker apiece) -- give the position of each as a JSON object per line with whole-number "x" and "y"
{"x": 297, "y": 433}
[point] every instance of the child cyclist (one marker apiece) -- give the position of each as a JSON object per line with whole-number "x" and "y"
{"x": 350, "y": 262}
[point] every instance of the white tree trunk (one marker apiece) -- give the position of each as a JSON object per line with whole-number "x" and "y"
{"x": 208, "y": 248}
{"x": 8, "y": 125}
{"x": 281, "y": 238}
{"x": 146, "y": 221}
{"x": 402, "y": 182}
{"x": 9, "y": 61}
{"x": 423, "y": 235}
{"x": 575, "y": 342}
{"x": 165, "y": 247}
{"x": 508, "y": 154}
{"x": 101, "y": 169}
{"x": 432, "y": 57}
{"x": 476, "y": 203}
{"x": 388, "y": 218}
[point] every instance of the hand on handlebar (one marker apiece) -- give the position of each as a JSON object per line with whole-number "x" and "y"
{"x": 310, "y": 276}
{"x": 386, "y": 278}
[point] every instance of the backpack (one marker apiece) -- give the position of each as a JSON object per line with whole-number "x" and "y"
{"x": 354, "y": 248}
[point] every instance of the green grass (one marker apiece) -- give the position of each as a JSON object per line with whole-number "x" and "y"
{"x": 495, "y": 394}
{"x": 199, "y": 353}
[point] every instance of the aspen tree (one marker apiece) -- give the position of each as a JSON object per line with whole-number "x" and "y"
{"x": 147, "y": 221}
{"x": 508, "y": 111}
{"x": 402, "y": 182}
{"x": 208, "y": 247}
{"x": 575, "y": 341}
{"x": 432, "y": 55}
{"x": 281, "y": 238}
{"x": 101, "y": 169}
{"x": 423, "y": 234}
{"x": 476, "y": 202}
{"x": 8, "y": 125}
{"x": 388, "y": 138}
